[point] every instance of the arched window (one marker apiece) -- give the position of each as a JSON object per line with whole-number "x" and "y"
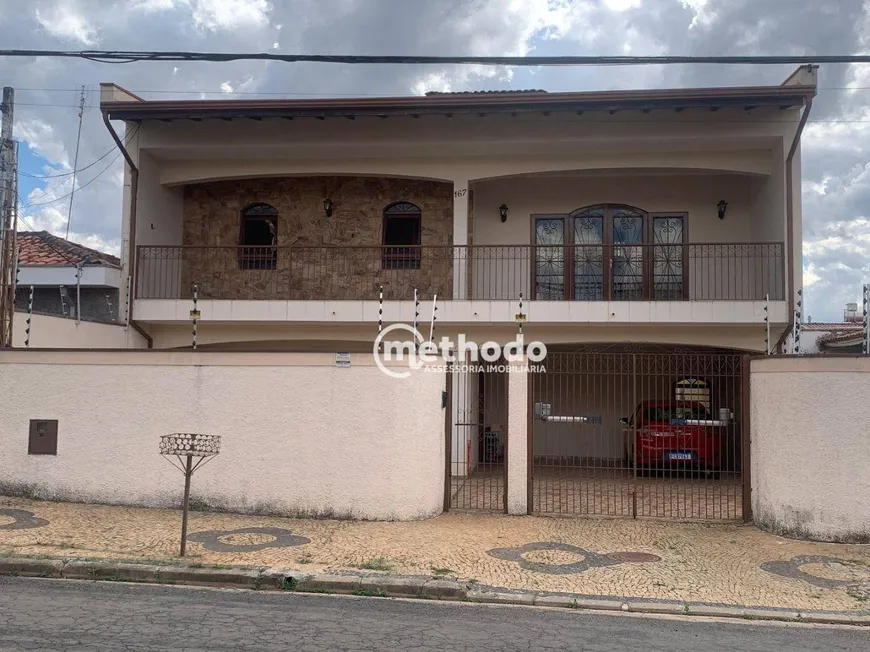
{"x": 609, "y": 252}
{"x": 402, "y": 230}
{"x": 258, "y": 237}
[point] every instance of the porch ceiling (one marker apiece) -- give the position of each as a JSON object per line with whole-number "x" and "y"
{"x": 421, "y": 147}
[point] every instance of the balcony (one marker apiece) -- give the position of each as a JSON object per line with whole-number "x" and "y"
{"x": 604, "y": 272}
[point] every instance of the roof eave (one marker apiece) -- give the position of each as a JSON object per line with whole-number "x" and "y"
{"x": 781, "y": 96}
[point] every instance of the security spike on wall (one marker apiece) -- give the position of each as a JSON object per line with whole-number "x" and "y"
{"x": 520, "y": 317}
{"x": 380, "y": 315}
{"x": 195, "y": 312}
{"x": 127, "y": 287}
{"x": 29, "y": 319}
{"x": 796, "y": 327}
{"x": 416, "y": 316}
{"x": 434, "y": 318}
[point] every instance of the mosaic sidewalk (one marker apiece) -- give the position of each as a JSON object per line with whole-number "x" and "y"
{"x": 717, "y": 563}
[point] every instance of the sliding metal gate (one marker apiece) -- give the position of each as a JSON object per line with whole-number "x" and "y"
{"x": 640, "y": 433}
{"x": 477, "y": 441}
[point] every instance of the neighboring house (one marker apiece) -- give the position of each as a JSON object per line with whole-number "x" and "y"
{"x": 64, "y": 275}
{"x": 834, "y": 337}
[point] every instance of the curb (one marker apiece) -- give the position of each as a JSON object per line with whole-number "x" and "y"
{"x": 391, "y": 586}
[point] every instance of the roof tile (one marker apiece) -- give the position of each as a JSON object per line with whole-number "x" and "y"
{"x": 43, "y": 248}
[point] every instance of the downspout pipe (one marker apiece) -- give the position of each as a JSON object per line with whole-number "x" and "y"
{"x": 134, "y": 195}
{"x": 789, "y": 219}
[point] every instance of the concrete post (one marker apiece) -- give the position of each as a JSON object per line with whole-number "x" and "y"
{"x": 518, "y": 449}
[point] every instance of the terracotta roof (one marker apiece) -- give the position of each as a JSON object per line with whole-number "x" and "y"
{"x": 831, "y": 326}
{"x": 43, "y": 248}
{"x": 851, "y": 336}
{"x": 526, "y": 91}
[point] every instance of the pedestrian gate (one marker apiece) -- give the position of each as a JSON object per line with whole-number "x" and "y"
{"x": 477, "y": 440}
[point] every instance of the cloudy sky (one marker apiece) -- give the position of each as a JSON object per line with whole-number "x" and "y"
{"x": 836, "y": 175}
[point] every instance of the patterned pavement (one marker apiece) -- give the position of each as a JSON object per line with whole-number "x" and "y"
{"x": 700, "y": 562}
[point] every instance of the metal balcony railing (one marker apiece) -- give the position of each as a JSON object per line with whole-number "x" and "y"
{"x": 605, "y": 272}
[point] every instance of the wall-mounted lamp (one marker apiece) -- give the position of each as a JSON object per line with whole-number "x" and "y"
{"x": 502, "y": 211}
{"x": 328, "y": 207}
{"x": 722, "y": 206}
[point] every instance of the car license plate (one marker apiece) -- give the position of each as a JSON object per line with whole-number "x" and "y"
{"x": 678, "y": 455}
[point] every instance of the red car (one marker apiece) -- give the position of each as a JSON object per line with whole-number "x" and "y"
{"x": 658, "y": 437}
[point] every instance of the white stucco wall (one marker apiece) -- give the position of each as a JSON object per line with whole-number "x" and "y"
{"x": 50, "y": 332}
{"x": 300, "y": 435}
{"x": 810, "y": 447}
{"x": 680, "y": 191}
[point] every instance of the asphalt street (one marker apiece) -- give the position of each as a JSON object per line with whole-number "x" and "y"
{"x": 61, "y": 615}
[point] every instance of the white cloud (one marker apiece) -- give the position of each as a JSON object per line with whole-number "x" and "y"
{"x": 621, "y": 5}
{"x": 432, "y": 82}
{"x": 217, "y": 15}
{"x": 154, "y": 5}
{"x": 703, "y": 14}
{"x": 42, "y": 139}
{"x": 64, "y": 22}
{"x": 226, "y": 87}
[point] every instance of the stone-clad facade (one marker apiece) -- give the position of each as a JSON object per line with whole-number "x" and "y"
{"x": 318, "y": 257}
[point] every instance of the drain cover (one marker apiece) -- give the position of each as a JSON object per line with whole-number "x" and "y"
{"x": 633, "y": 557}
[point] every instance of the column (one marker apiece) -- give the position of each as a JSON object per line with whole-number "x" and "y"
{"x": 518, "y": 445}
{"x": 460, "y": 239}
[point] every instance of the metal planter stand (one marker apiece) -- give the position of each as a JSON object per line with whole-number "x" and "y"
{"x": 185, "y": 446}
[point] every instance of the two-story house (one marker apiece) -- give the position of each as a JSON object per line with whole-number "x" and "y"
{"x": 630, "y": 216}
{"x": 654, "y": 238}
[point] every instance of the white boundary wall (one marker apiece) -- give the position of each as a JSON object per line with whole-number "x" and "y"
{"x": 52, "y": 332}
{"x": 810, "y": 423}
{"x": 300, "y": 435}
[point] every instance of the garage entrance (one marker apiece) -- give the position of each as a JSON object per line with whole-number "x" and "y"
{"x": 640, "y": 432}
{"x": 476, "y": 470}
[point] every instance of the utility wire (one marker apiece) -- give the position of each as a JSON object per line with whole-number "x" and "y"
{"x": 70, "y": 173}
{"x": 121, "y": 56}
{"x": 70, "y": 194}
{"x": 89, "y": 182}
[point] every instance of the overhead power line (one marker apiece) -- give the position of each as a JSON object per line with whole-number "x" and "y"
{"x": 86, "y": 184}
{"x": 111, "y": 149}
{"x": 121, "y": 56}
{"x": 72, "y": 192}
